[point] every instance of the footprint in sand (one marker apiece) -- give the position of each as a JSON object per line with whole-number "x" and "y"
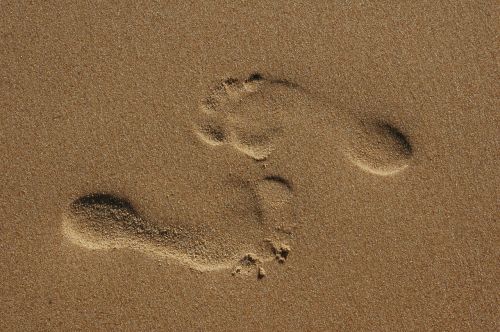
{"x": 256, "y": 220}
{"x": 257, "y": 217}
{"x": 248, "y": 115}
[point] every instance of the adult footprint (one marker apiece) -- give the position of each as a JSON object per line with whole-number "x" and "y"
{"x": 254, "y": 224}
{"x": 253, "y": 115}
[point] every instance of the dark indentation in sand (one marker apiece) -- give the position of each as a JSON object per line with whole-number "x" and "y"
{"x": 281, "y": 252}
{"x": 249, "y": 259}
{"x": 286, "y": 83}
{"x": 107, "y": 209}
{"x": 378, "y": 147}
{"x": 230, "y": 81}
{"x": 280, "y": 180}
{"x": 398, "y": 136}
{"x": 212, "y": 132}
{"x": 255, "y": 77}
{"x": 103, "y": 199}
{"x": 216, "y": 133}
{"x": 103, "y": 212}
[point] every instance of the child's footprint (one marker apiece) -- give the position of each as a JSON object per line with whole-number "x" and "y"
{"x": 252, "y": 115}
{"x": 258, "y": 220}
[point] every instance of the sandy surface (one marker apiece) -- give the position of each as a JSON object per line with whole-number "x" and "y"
{"x": 260, "y": 167}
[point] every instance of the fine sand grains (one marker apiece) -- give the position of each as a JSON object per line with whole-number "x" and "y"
{"x": 251, "y": 117}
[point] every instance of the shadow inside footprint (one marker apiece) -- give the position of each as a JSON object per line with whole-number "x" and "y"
{"x": 378, "y": 147}
{"x": 212, "y": 133}
{"x": 105, "y": 221}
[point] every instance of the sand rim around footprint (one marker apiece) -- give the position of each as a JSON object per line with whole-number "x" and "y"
{"x": 103, "y": 221}
{"x": 378, "y": 147}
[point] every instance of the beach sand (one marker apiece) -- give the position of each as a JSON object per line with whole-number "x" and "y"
{"x": 263, "y": 166}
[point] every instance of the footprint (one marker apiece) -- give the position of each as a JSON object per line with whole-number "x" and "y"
{"x": 256, "y": 223}
{"x": 257, "y": 113}
{"x": 102, "y": 221}
{"x": 378, "y": 147}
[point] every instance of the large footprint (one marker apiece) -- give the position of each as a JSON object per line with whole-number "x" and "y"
{"x": 248, "y": 115}
{"x": 256, "y": 219}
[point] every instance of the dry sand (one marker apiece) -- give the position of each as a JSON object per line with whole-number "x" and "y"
{"x": 268, "y": 166}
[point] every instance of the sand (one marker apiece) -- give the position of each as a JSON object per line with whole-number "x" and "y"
{"x": 260, "y": 166}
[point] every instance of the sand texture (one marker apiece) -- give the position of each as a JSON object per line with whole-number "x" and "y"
{"x": 249, "y": 166}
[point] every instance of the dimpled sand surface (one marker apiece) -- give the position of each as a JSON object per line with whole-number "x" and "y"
{"x": 249, "y": 166}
